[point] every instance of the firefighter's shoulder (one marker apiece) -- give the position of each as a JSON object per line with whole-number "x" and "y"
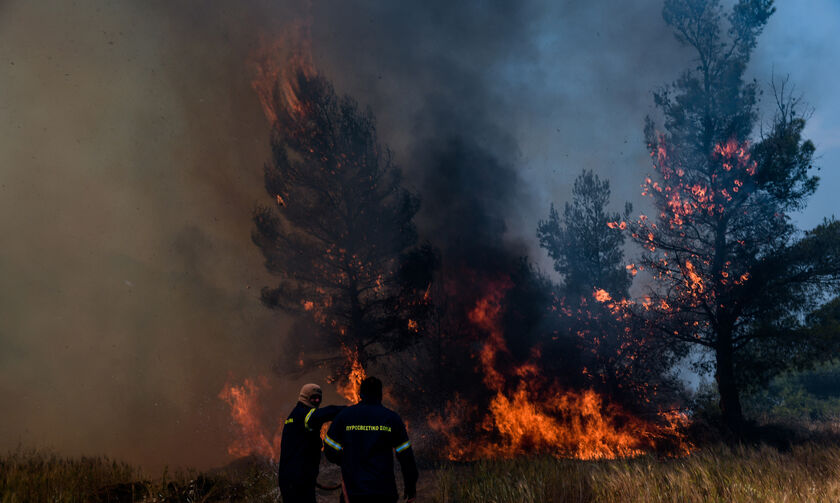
{"x": 391, "y": 415}
{"x": 365, "y": 414}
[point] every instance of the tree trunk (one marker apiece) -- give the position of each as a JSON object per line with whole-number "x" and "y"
{"x": 730, "y": 398}
{"x": 356, "y": 330}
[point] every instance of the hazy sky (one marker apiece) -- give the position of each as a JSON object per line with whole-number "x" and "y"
{"x": 131, "y": 152}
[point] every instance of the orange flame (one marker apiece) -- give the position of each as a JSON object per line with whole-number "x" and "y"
{"x": 533, "y": 417}
{"x": 602, "y": 295}
{"x": 349, "y": 389}
{"x": 277, "y": 65}
{"x": 695, "y": 282}
{"x": 246, "y": 413}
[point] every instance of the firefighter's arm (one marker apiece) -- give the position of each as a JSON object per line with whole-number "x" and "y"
{"x": 315, "y": 418}
{"x": 405, "y": 455}
{"x": 409, "y": 472}
{"x": 332, "y": 443}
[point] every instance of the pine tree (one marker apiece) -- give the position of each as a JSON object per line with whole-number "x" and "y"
{"x": 731, "y": 271}
{"x": 587, "y": 252}
{"x": 340, "y": 236}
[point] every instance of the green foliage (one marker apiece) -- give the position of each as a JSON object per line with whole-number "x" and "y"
{"x": 734, "y": 275}
{"x": 586, "y": 252}
{"x": 810, "y": 396}
{"x": 793, "y": 326}
{"x": 784, "y": 156}
{"x": 710, "y": 103}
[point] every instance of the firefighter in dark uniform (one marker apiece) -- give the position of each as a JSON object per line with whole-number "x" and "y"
{"x": 361, "y": 439}
{"x": 300, "y": 445}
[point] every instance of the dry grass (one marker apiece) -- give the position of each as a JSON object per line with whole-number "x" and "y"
{"x": 34, "y": 476}
{"x": 808, "y": 473}
{"x": 31, "y": 476}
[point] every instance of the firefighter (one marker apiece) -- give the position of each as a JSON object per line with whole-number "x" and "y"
{"x": 361, "y": 439}
{"x": 300, "y": 445}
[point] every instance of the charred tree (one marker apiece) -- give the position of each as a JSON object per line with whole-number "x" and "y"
{"x": 731, "y": 271}
{"x": 340, "y": 236}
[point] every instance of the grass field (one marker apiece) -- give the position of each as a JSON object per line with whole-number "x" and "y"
{"x": 808, "y": 472}
{"x": 30, "y": 476}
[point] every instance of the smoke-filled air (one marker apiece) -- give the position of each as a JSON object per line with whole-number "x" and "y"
{"x": 575, "y": 241}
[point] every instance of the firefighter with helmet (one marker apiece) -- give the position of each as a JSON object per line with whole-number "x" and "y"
{"x": 300, "y": 445}
{"x": 361, "y": 439}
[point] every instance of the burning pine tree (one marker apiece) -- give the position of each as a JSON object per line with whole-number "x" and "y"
{"x": 340, "y": 235}
{"x": 729, "y": 273}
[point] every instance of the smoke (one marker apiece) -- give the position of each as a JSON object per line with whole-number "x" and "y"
{"x": 131, "y": 153}
{"x": 132, "y": 147}
{"x": 132, "y": 156}
{"x": 513, "y": 79}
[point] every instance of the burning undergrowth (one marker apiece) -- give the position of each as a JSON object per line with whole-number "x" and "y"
{"x": 476, "y": 343}
{"x": 525, "y": 365}
{"x": 549, "y": 401}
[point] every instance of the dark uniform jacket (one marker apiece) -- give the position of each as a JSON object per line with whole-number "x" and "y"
{"x": 362, "y": 439}
{"x": 300, "y": 445}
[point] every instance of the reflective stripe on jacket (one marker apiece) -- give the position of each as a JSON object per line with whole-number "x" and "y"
{"x": 300, "y": 444}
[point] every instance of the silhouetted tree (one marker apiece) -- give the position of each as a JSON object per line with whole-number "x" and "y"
{"x": 586, "y": 250}
{"x": 586, "y": 244}
{"x": 730, "y": 271}
{"x": 341, "y": 237}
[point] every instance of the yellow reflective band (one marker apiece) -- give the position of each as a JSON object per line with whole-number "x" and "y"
{"x": 367, "y": 427}
{"x": 332, "y": 443}
{"x": 290, "y": 420}
{"x": 404, "y": 446}
{"x": 306, "y": 420}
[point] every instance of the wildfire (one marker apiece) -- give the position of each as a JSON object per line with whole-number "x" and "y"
{"x": 694, "y": 281}
{"x": 602, "y": 295}
{"x": 536, "y": 416}
{"x": 692, "y": 203}
{"x": 349, "y": 389}
{"x": 253, "y": 437}
{"x": 525, "y": 411}
{"x": 246, "y": 414}
{"x": 485, "y": 316}
{"x": 277, "y": 65}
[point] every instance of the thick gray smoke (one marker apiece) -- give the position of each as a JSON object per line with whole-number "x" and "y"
{"x": 131, "y": 152}
{"x": 538, "y": 89}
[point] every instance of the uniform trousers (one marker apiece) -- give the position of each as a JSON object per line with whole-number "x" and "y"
{"x": 297, "y": 493}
